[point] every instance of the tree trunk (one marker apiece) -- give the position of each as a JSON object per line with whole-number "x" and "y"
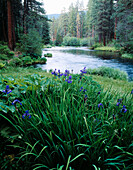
{"x": 4, "y": 33}
{"x": 104, "y": 39}
{"x": 13, "y": 32}
{"x": 115, "y": 28}
{"x": 99, "y": 37}
{"x": 24, "y": 17}
{"x": 9, "y": 14}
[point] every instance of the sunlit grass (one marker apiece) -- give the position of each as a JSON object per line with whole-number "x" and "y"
{"x": 106, "y": 48}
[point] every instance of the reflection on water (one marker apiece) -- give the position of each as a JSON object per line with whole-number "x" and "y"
{"x": 75, "y": 59}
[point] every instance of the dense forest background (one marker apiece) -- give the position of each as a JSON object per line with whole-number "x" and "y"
{"x": 23, "y": 20}
{"x": 103, "y": 21}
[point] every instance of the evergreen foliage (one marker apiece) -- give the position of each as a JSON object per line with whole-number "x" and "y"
{"x": 19, "y": 17}
{"x": 31, "y": 43}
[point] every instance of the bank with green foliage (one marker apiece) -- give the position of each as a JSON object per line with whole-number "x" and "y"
{"x": 62, "y": 120}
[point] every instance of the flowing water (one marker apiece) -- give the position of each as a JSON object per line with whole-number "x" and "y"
{"x": 75, "y": 59}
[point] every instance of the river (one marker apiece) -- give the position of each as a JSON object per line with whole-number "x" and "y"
{"x": 76, "y": 58}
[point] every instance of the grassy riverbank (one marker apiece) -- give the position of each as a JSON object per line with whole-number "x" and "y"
{"x": 116, "y": 84}
{"x": 55, "y": 121}
{"x": 114, "y": 49}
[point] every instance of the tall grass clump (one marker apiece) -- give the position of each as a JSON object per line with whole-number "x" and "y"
{"x": 109, "y": 72}
{"x": 64, "y": 122}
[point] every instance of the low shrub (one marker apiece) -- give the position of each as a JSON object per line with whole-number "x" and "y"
{"x": 3, "y": 57}
{"x": 95, "y": 45}
{"x": 84, "y": 42}
{"x": 15, "y": 62}
{"x": 43, "y": 60}
{"x": 27, "y": 60}
{"x": 130, "y": 56}
{"x": 109, "y": 72}
{"x": 48, "y": 55}
{"x": 71, "y": 41}
{"x": 5, "y": 53}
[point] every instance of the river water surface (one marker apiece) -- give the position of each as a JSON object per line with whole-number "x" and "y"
{"x": 75, "y": 59}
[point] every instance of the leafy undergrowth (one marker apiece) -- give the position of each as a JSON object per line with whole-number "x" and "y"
{"x": 64, "y": 122}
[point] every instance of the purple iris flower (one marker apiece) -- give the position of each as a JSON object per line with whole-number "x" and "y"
{"x": 100, "y": 105}
{"x": 120, "y": 100}
{"x": 7, "y": 90}
{"x": 54, "y": 72}
{"x": 85, "y": 98}
{"x": 70, "y": 77}
{"x": 81, "y": 89}
{"x": 84, "y": 91}
{"x": 84, "y": 70}
{"x": 26, "y": 114}
{"x": 16, "y": 101}
{"x": 69, "y": 81}
{"x": 124, "y": 109}
{"x": 65, "y": 74}
{"x": 118, "y": 103}
{"x": 132, "y": 91}
{"x": 99, "y": 92}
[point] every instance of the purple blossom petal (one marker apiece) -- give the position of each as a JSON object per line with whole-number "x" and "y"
{"x": 100, "y": 104}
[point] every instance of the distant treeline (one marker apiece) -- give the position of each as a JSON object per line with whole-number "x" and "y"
{"x": 104, "y": 21}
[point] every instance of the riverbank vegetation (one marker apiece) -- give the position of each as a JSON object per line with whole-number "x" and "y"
{"x": 61, "y": 120}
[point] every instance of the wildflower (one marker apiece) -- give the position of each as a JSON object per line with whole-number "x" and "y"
{"x": 69, "y": 80}
{"x": 99, "y": 92}
{"x": 84, "y": 70}
{"x": 119, "y": 101}
{"x": 26, "y": 114}
{"x": 7, "y": 90}
{"x": 100, "y": 104}
{"x": 70, "y": 77}
{"x": 81, "y": 89}
{"x": 54, "y": 72}
{"x": 66, "y": 73}
{"x": 132, "y": 91}
{"x": 16, "y": 101}
{"x": 124, "y": 109}
{"x": 84, "y": 91}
